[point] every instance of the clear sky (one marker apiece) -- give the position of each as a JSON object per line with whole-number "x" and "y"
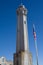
{"x": 8, "y": 26}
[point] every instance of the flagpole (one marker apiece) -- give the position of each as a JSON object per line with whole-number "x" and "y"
{"x": 36, "y": 51}
{"x": 35, "y": 40}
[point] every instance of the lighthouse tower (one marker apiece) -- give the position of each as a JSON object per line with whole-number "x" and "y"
{"x": 22, "y": 32}
{"x": 22, "y": 55}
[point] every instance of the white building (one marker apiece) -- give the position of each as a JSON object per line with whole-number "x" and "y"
{"x": 4, "y": 61}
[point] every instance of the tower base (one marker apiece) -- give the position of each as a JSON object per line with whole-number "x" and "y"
{"x": 22, "y": 58}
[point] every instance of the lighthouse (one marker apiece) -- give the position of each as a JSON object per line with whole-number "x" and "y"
{"x": 22, "y": 55}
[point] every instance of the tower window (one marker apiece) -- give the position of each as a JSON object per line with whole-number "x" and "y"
{"x": 25, "y": 22}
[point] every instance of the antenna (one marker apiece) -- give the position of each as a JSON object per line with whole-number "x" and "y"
{"x": 21, "y": 2}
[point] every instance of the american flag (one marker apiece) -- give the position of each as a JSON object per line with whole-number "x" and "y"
{"x": 34, "y": 33}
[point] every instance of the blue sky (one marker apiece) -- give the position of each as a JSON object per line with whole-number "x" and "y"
{"x": 8, "y": 26}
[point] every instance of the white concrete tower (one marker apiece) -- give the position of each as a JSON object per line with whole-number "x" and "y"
{"x": 22, "y": 32}
{"x": 22, "y": 55}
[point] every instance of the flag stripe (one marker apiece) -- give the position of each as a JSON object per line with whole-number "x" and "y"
{"x": 34, "y": 33}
